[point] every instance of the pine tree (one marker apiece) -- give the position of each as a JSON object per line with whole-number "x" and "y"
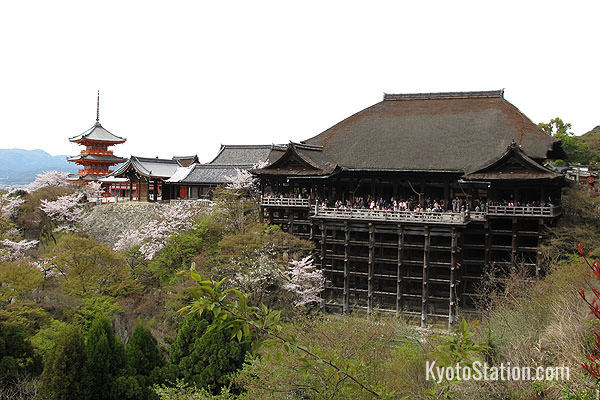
{"x": 205, "y": 357}
{"x": 105, "y": 359}
{"x": 65, "y": 374}
{"x": 144, "y": 365}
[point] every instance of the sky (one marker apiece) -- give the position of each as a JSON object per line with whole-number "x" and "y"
{"x": 184, "y": 77}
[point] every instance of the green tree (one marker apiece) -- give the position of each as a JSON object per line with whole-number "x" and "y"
{"x": 65, "y": 370}
{"x": 206, "y": 357}
{"x": 16, "y": 353}
{"x": 91, "y": 267}
{"x": 144, "y": 365}
{"x": 105, "y": 359}
{"x": 577, "y": 150}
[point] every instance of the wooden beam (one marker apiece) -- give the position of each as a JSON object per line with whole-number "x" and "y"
{"x": 514, "y": 244}
{"x": 399, "y": 303}
{"x": 371, "y": 268}
{"x": 425, "y": 289}
{"x": 453, "y": 267}
{"x": 346, "y": 306}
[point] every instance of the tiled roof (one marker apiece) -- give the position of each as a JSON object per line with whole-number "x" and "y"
{"x": 98, "y": 133}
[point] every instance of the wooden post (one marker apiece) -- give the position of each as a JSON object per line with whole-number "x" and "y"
{"x": 346, "y": 306}
{"x": 538, "y": 258}
{"x": 425, "y": 291}
{"x": 323, "y": 236}
{"x": 371, "y": 267}
{"x": 515, "y": 245}
{"x": 399, "y": 304}
{"x": 453, "y": 267}
{"x": 290, "y": 212}
{"x": 488, "y": 243}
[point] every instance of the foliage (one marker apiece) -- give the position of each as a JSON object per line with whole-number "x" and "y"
{"x": 89, "y": 267}
{"x": 46, "y": 339}
{"x": 93, "y": 306}
{"x": 65, "y": 374}
{"x": 18, "y": 279}
{"x": 144, "y": 363}
{"x": 105, "y": 358}
{"x": 152, "y": 237}
{"x": 234, "y": 210}
{"x": 183, "y": 246}
{"x": 203, "y": 355}
{"x": 16, "y": 353}
{"x": 230, "y": 310}
{"x": 577, "y": 149}
{"x": 182, "y": 391}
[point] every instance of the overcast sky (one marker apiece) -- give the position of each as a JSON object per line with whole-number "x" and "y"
{"x": 182, "y": 77}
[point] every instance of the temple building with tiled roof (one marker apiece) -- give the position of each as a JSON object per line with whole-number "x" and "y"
{"x": 96, "y": 159}
{"x": 413, "y": 200}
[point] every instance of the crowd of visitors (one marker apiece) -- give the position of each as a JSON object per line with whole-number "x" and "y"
{"x": 429, "y": 205}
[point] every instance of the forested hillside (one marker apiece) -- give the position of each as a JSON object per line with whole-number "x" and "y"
{"x": 195, "y": 302}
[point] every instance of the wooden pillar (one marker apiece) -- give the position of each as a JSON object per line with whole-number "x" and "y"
{"x": 346, "y": 307}
{"x": 371, "y": 267}
{"x": 453, "y": 267}
{"x": 290, "y": 220}
{"x": 515, "y": 245}
{"x": 399, "y": 303}
{"x": 488, "y": 243}
{"x": 446, "y": 194}
{"x": 538, "y": 258}
{"x": 130, "y": 188}
{"x": 323, "y": 236}
{"x": 425, "y": 291}
{"x": 542, "y": 196}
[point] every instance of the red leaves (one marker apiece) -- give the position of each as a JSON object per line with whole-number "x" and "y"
{"x": 593, "y": 367}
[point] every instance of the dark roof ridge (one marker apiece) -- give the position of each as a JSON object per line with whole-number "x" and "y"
{"x": 247, "y": 146}
{"x": 305, "y": 146}
{"x": 445, "y": 95}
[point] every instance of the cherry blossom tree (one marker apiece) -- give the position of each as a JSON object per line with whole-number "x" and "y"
{"x": 66, "y": 211}
{"x": 49, "y": 178}
{"x": 9, "y": 204}
{"x": 153, "y": 236}
{"x": 13, "y": 251}
{"x": 305, "y": 281}
{"x": 244, "y": 180}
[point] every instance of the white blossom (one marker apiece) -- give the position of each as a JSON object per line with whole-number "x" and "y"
{"x": 49, "y": 178}
{"x": 305, "y": 281}
{"x": 244, "y": 180}
{"x": 14, "y": 251}
{"x": 9, "y": 204}
{"x": 153, "y": 236}
{"x": 65, "y": 211}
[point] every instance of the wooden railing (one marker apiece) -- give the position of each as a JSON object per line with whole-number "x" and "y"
{"x": 524, "y": 211}
{"x": 284, "y": 202}
{"x": 401, "y": 216}
{"x": 96, "y": 151}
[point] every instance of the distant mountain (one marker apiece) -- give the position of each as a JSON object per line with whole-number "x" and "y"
{"x": 592, "y": 138}
{"x": 19, "y": 167}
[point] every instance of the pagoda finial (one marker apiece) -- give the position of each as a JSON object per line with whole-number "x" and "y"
{"x": 98, "y": 108}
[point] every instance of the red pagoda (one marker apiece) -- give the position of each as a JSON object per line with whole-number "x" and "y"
{"x": 96, "y": 159}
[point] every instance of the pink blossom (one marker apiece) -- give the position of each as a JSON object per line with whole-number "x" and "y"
{"x": 65, "y": 211}
{"x": 49, "y": 178}
{"x": 14, "y": 251}
{"x": 305, "y": 281}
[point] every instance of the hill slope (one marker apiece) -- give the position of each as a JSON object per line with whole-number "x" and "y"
{"x": 592, "y": 138}
{"x": 19, "y": 167}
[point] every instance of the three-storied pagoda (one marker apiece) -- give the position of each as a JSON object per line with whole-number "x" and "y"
{"x": 96, "y": 159}
{"x": 412, "y": 201}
